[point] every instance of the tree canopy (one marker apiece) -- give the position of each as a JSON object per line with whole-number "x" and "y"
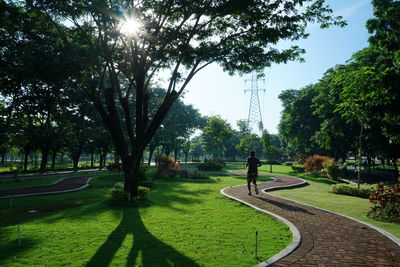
{"x": 117, "y": 48}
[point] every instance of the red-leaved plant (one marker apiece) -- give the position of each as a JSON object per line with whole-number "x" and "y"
{"x": 386, "y": 203}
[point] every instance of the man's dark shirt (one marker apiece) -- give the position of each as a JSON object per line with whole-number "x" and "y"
{"x": 253, "y": 163}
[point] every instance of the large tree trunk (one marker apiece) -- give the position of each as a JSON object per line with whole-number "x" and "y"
{"x": 43, "y": 163}
{"x": 359, "y": 156}
{"x": 151, "y": 151}
{"x": 186, "y": 157}
{"x": 53, "y": 161}
{"x": 176, "y": 155}
{"x": 369, "y": 166}
{"x": 131, "y": 171}
{"x": 396, "y": 168}
{"x": 75, "y": 159}
{"x": 26, "y": 155}
{"x": 3, "y": 158}
{"x": 91, "y": 160}
{"x": 101, "y": 161}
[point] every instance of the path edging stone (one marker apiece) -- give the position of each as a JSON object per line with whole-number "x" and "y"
{"x": 295, "y": 232}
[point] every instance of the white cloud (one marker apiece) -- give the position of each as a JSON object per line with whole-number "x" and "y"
{"x": 350, "y": 10}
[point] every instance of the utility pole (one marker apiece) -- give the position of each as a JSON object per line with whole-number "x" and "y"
{"x": 254, "y": 119}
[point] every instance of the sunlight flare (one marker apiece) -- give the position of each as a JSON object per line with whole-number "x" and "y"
{"x": 130, "y": 26}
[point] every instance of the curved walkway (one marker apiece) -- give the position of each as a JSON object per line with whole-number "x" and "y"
{"x": 327, "y": 239}
{"x": 61, "y": 186}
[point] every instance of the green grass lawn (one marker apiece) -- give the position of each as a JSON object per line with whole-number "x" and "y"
{"x": 9, "y": 166}
{"x": 183, "y": 223}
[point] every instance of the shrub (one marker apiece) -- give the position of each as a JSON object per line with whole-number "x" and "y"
{"x": 114, "y": 166}
{"x": 332, "y": 170}
{"x": 166, "y": 166}
{"x": 316, "y": 163}
{"x": 298, "y": 168}
{"x": 272, "y": 162}
{"x": 288, "y": 163}
{"x": 143, "y": 178}
{"x": 386, "y": 201}
{"x": 210, "y": 166}
{"x": 119, "y": 194}
{"x": 142, "y": 192}
{"x": 364, "y": 191}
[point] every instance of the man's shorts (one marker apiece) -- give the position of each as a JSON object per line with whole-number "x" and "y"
{"x": 252, "y": 176}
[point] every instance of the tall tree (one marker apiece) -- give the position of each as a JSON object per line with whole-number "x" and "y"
{"x": 215, "y": 136}
{"x": 175, "y": 35}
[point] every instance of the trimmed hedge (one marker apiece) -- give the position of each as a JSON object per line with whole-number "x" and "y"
{"x": 210, "y": 166}
{"x": 364, "y": 191}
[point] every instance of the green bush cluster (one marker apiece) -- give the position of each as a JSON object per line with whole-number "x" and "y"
{"x": 331, "y": 170}
{"x": 119, "y": 194}
{"x": 386, "y": 203}
{"x": 364, "y": 191}
{"x": 298, "y": 168}
{"x": 144, "y": 179}
{"x": 210, "y": 166}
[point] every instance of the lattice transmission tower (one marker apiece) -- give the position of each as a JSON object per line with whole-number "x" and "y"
{"x": 254, "y": 119}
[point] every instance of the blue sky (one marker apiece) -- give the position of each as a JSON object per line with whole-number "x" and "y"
{"x": 214, "y": 92}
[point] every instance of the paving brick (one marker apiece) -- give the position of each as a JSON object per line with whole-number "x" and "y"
{"x": 327, "y": 239}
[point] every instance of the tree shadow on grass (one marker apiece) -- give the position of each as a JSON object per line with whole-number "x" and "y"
{"x": 9, "y": 247}
{"x": 152, "y": 250}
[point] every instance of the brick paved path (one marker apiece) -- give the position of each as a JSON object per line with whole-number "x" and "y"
{"x": 326, "y": 239}
{"x": 64, "y": 185}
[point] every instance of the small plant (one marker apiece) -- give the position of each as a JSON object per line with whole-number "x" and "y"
{"x": 386, "y": 203}
{"x": 364, "y": 191}
{"x": 332, "y": 170}
{"x": 297, "y": 168}
{"x": 144, "y": 179}
{"x": 115, "y": 166}
{"x": 316, "y": 163}
{"x": 119, "y": 194}
{"x": 210, "y": 166}
{"x": 166, "y": 166}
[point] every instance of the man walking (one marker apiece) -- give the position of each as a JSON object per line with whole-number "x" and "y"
{"x": 252, "y": 163}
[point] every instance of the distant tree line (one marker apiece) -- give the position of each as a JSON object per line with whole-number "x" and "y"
{"x": 355, "y": 108}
